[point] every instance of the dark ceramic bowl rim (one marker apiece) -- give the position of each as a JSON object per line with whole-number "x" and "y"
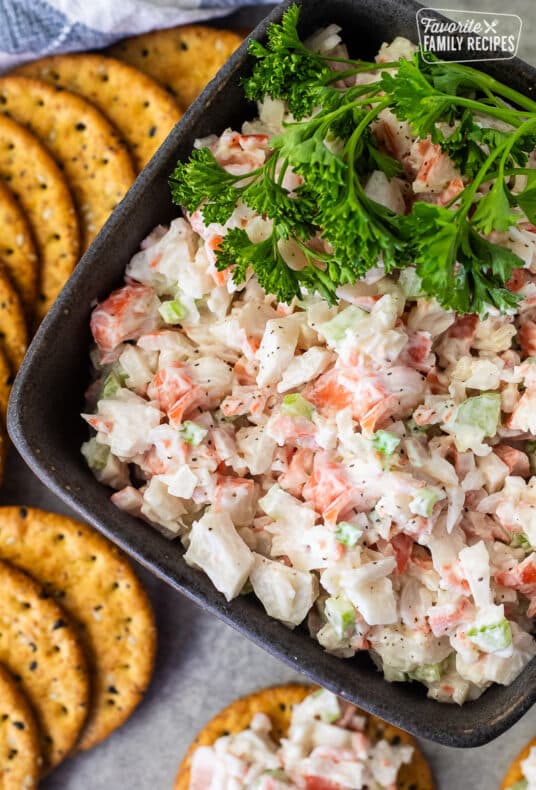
{"x": 39, "y": 401}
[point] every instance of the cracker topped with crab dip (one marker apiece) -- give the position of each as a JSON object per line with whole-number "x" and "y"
{"x": 297, "y": 736}
{"x": 522, "y": 773}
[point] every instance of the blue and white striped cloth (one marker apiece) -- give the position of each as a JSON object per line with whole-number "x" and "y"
{"x": 34, "y": 28}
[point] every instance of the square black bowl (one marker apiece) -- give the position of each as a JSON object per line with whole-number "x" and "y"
{"x": 47, "y": 398}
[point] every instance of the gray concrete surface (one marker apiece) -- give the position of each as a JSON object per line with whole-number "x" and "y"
{"x": 202, "y": 664}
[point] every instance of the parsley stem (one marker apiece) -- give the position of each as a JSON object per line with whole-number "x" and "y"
{"x": 470, "y": 191}
{"x": 523, "y": 129}
{"x": 351, "y": 145}
{"x": 510, "y": 171}
{"x": 312, "y": 254}
{"x": 509, "y": 116}
{"x": 361, "y": 69}
{"x": 492, "y": 86}
{"x": 482, "y": 176}
{"x": 361, "y": 65}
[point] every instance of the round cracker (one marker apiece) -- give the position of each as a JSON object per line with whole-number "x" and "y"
{"x": 13, "y": 331}
{"x": 39, "y": 646}
{"x": 88, "y": 149}
{"x": 514, "y": 773}
{"x": 97, "y": 586}
{"x": 20, "y": 755}
{"x": 18, "y": 252}
{"x": 142, "y": 111}
{"x": 184, "y": 59}
{"x": 41, "y": 189}
{"x": 276, "y": 702}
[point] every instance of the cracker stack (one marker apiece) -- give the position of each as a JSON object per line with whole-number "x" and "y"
{"x": 74, "y": 132}
{"x": 78, "y": 637}
{"x": 77, "y": 642}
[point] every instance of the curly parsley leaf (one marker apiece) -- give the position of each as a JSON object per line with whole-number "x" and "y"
{"x": 489, "y": 266}
{"x": 264, "y": 258}
{"x": 458, "y": 267}
{"x": 493, "y": 211}
{"x": 526, "y": 200}
{"x": 416, "y": 101}
{"x": 464, "y": 145}
{"x": 203, "y": 179}
{"x": 519, "y": 151}
{"x": 237, "y": 251}
{"x": 292, "y": 215}
{"x": 333, "y": 150}
{"x": 286, "y": 69}
{"x": 379, "y": 160}
{"x": 310, "y": 155}
{"x": 360, "y": 231}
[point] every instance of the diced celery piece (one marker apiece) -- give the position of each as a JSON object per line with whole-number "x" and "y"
{"x": 347, "y": 533}
{"x": 173, "y": 312}
{"x": 491, "y": 638}
{"x": 96, "y": 454}
{"x": 423, "y": 502}
{"x": 192, "y": 433}
{"x": 335, "y": 330}
{"x": 295, "y": 405}
{"x": 521, "y": 785}
{"x": 112, "y": 383}
{"x": 385, "y": 442}
{"x": 340, "y": 614}
{"x": 411, "y": 283}
{"x": 482, "y": 411}
{"x": 247, "y": 588}
{"x": 412, "y": 427}
{"x": 428, "y": 673}
{"x": 520, "y": 541}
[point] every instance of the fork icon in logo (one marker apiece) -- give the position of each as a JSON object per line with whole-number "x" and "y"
{"x": 490, "y": 27}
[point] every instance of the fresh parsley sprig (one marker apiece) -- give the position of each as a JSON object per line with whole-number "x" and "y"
{"x": 485, "y": 127}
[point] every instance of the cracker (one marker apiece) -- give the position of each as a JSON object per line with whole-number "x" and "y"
{"x": 183, "y": 59}
{"x": 6, "y": 380}
{"x": 141, "y": 110}
{"x": 98, "y": 588}
{"x": 39, "y": 646}
{"x": 514, "y": 773}
{"x": 277, "y": 703}
{"x": 41, "y": 189}
{"x": 13, "y": 331}
{"x": 20, "y": 754}
{"x": 18, "y": 252}
{"x": 94, "y": 159}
